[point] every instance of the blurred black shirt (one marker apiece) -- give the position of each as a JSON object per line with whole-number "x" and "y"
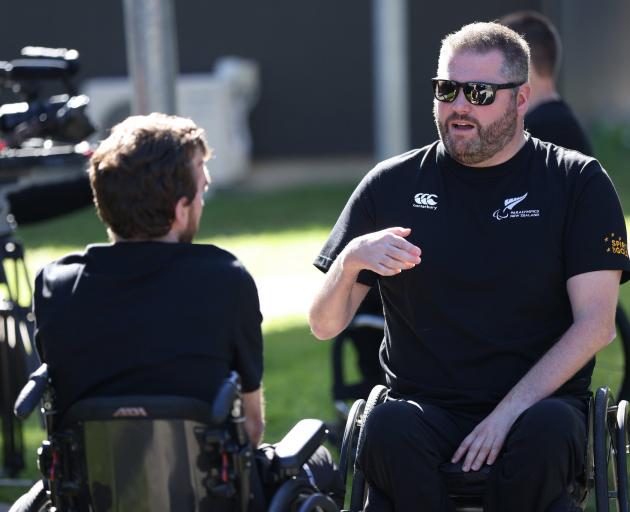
{"x": 147, "y": 318}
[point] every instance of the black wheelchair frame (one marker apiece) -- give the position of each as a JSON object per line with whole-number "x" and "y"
{"x": 160, "y": 452}
{"x": 605, "y": 467}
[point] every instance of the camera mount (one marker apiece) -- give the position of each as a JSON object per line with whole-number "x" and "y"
{"x": 35, "y": 133}
{"x": 17, "y": 350}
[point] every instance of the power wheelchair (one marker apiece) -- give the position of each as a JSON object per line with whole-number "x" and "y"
{"x": 141, "y": 453}
{"x": 605, "y": 468}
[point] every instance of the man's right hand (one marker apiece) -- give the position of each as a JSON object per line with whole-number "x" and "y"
{"x": 385, "y": 252}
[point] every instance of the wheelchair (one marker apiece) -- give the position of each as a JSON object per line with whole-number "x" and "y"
{"x": 605, "y": 466}
{"x": 364, "y": 334}
{"x": 141, "y": 453}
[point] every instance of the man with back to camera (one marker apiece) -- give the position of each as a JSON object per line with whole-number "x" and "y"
{"x": 498, "y": 258}
{"x": 548, "y": 117}
{"x": 153, "y": 313}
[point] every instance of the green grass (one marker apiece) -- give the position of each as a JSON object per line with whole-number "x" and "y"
{"x": 277, "y": 235}
{"x": 297, "y": 376}
{"x": 612, "y": 146}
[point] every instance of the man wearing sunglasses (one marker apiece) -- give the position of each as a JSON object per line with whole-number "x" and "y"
{"x": 498, "y": 258}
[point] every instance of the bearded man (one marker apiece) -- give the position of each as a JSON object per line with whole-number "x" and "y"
{"x": 498, "y": 258}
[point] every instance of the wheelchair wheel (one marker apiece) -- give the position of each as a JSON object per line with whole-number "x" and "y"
{"x": 318, "y": 503}
{"x": 35, "y": 500}
{"x": 376, "y": 397}
{"x": 621, "y": 433}
{"x": 623, "y": 327}
{"x": 293, "y": 496}
{"x": 359, "y": 486}
{"x": 350, "y": 439}
{"x": 604, "y": 448}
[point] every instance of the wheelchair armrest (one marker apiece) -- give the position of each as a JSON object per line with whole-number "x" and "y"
{"x": 224, "y": 399}
{"x": 298, "y": 445}
{"x": 31, "y": 393}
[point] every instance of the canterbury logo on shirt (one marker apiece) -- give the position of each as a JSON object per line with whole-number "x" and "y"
{"x": 509, "y": 210}
{"x": 426, "y": 201}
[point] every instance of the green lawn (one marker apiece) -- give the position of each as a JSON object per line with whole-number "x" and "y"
{"x": 276, "y": 235}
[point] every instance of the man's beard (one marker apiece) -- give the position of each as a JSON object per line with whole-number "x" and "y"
{"x": 489, "y": 141}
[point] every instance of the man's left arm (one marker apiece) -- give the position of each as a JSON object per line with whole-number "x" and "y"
{"x": 254, "y": 416}
{"x": 593, "y": 297}
{"x": 247, "y": 357}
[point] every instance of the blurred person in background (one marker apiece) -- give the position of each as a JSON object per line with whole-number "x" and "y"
{"x": 548, "y": 117}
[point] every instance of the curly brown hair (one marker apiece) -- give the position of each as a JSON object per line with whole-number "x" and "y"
{"x": 140, "y": 172}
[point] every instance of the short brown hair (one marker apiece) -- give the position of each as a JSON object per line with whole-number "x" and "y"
{"x": 486, "y": 37}
{"x": 140, "y": 172}
{"x": 542, "y": 37}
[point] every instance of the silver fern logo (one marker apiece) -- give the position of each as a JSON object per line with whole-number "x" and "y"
{"x": 509, "y": 211}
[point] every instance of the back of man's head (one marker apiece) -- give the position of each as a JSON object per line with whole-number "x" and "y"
{"x": 542, "y": 37}
{"x": 140, "y": 172}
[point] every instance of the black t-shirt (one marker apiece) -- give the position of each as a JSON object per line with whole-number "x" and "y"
{"x": 498, "y": 245}
{"x": 147, "y": 318}
{"x": 554, "y": 121}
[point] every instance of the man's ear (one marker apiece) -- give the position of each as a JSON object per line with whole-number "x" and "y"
{"x": 522, "y": 98}
{"x": 182, "y": 211}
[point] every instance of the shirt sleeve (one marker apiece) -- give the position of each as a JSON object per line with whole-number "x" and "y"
{"x": 356, "y": 219}
{"x": 248, "y": 356}
{"x": 595, "y": 237}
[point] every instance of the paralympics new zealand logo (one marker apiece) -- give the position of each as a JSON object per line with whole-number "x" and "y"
{"x": 509, "y": 211}
{"x": 426, "y": 201}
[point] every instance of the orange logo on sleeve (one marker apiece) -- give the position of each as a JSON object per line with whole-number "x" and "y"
{"x": 615, "y": 245}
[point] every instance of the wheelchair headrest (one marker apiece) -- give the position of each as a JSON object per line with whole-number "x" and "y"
{"x": 139, "y": 407}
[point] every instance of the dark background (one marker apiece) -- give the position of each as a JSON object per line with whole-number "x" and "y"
{"x": 315, "y": 57}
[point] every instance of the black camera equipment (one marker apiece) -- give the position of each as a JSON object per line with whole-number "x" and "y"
{"x": 36, "y": 132}
{"x": 61, "y": 117}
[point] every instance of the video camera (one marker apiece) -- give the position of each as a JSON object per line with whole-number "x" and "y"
{"x": 36, "y": 133}
{"x": 36, "y": 121}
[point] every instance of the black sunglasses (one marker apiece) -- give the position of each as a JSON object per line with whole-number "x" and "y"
{"x": 477, "y": 93}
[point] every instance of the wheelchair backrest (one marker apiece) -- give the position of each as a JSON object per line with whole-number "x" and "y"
{"x": 147, "y": 453}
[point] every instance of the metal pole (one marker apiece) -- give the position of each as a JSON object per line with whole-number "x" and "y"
{"x": 151, "y": 54}
{"x": 391, "y": 82}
